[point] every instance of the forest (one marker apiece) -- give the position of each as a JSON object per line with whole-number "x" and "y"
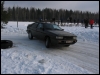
{"x": 33, "y": 14}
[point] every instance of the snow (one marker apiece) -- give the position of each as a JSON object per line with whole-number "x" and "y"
{"x": 85, "y": 34}
{"x": 32, "y": 57}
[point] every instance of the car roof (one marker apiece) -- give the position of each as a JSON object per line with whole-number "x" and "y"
{"x": 43, "y": 22}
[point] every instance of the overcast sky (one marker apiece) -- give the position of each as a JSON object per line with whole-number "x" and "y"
{"x": 92, "y": 6}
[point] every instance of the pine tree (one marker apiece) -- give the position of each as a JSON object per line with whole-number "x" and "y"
{"x": 4, "y": 15}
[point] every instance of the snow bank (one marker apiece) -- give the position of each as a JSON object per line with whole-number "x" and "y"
{"x": 84, "y": 34}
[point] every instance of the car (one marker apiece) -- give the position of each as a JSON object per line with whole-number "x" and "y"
{"x": 52, "y": 34}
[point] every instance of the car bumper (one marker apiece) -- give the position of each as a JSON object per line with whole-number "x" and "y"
{"x": 63, "y": 42}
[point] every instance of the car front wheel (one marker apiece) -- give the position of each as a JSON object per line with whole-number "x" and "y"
{"x": 47, "y": 42}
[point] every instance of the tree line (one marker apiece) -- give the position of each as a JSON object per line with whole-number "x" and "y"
{"x": 33, "y": 14}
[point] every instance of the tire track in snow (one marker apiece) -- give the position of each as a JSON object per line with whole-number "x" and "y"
{"x": 71, "y": 55}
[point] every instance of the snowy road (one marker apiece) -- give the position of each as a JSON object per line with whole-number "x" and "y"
{"x": 31, "y": 56}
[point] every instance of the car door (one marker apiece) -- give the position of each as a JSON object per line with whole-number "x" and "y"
{"x": 40, "y": 32}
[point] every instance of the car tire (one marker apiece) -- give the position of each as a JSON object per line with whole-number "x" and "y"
{"x": 47, "y": 42}
{"x": 30, "y": 36}
{"x": 6, "y": 44}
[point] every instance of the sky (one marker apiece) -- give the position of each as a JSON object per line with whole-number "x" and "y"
{"x": 91, "y": 6}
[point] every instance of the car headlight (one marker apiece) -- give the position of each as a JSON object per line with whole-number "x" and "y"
{"x": 74, "y": 37}
{"x": 59, "y": 37}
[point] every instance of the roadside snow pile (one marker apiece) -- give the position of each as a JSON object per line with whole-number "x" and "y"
{"x": 13, "y": 30}
{"x": 11, "y": 27}
{"x": 84, "y": 34}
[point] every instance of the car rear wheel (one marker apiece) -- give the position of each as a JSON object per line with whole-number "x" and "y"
{"x": 47, "y": 42}
{"x": 30, "y": 36}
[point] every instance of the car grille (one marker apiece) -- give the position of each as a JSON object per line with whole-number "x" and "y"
{"x": 67, "y": 37}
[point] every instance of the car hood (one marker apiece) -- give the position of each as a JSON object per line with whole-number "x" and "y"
{"x": 61, "y": 33}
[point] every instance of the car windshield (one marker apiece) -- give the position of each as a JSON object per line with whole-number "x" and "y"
{"x": 51, "y": 27}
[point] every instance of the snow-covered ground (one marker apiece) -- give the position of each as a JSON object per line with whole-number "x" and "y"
{"x": 32, "y": 57}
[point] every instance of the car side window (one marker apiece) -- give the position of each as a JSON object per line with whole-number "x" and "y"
{"x": 48, "y": 26}
{"x": 40, "y": 26}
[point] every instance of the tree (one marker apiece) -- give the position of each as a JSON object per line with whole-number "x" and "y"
{"x": 33, "y": 14}
{"x": 4, "y": 15}
{"x": 10, "y": 11}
